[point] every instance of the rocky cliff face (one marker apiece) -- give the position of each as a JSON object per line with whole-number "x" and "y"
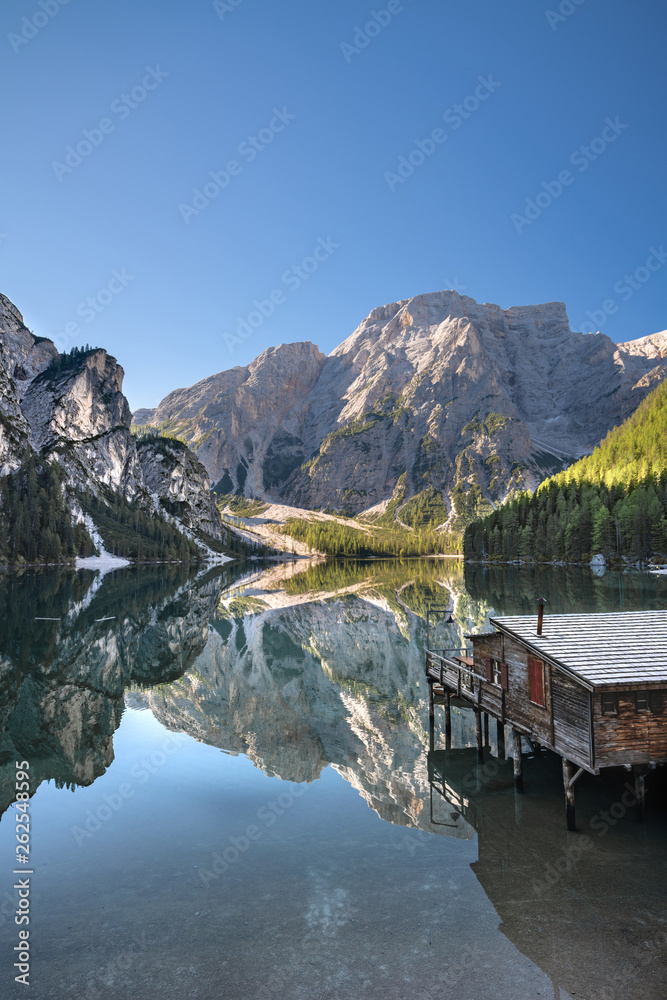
{"x": 25, "y": 355}
{"x": 78, "y": 413}
{"x": 61, "y": 691}
{"x": 71, "y": 409}
{"x": 433, "y": 391}
{"x": 172, "y": 473}
{"x": 22, "y": 357}
{"x": 14, "y": 429}
{"x": 234, "y": 420}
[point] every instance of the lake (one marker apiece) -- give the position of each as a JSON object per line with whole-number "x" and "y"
{"x": 234, "y": 795}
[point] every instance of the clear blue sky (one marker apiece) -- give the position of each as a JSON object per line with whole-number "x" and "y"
{"x": 323, "y": 175}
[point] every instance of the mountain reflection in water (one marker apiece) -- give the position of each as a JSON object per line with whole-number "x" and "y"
{"x": 304, "y": 666}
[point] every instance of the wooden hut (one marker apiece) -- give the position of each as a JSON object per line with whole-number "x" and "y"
{"x": 591, "y": 688}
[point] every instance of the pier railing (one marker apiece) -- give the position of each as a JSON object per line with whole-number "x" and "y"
{"x": 461, "y": 679}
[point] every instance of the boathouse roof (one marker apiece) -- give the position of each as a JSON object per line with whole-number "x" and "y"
{"x": 622, "y": 648}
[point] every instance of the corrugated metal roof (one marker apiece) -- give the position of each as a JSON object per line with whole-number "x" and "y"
{"x": 603, "y": 649}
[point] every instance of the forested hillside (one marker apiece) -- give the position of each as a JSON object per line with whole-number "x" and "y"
{"x": 340, "y": 540}
{"x": 35, "y": 521}
{"x": 613, "y": 502}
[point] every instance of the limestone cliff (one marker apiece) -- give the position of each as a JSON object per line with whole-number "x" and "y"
{"x": 70, "y": 409}
{"x": 435, "y": 391}
{"x": 172, "y": 473}
{"x": 22, "y": 356}
{"x": 62, "y": 685}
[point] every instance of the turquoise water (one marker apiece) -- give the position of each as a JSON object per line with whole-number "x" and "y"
{"x": 235, "y": 796}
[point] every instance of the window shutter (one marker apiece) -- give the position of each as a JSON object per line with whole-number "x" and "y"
{"x": 656, "y": 702}
{"x": 489, "y": 669}
{"x": 536, "y": 672}
{"x": 503, "y": 677}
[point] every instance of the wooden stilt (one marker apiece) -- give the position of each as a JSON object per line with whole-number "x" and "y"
{"x": 518, "y": 762}
{"x": 568, "y": 775}
{"x": 431, "y": 716}
{"x": 500, "y": 732}
{"x": 486, "y": 729}
{"x": 480, "y": 745}
{"x": 638, "y": 772}
{"x": 448, "y": 721}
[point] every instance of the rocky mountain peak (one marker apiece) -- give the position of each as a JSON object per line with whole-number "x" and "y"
{"x": 76, "y": 398}
{"x": 434, "y": 392}
{"x": 70, "y": 408}
{"x": 25, "y": 355}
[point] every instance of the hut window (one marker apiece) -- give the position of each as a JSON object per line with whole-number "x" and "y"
{"x": 504, "y": 681}
{"x": 536, "y": 671}
{"x": 609, "y": 704}
{"x": 656, "y": 701}
{"x": 641, "y": 701}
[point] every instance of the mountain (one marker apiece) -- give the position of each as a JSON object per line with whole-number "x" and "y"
{"x": 62, "y": 680}
{"x": 612, "y": 503}
{"x": 435, "y": 393}
{"x": 66, "y": 447}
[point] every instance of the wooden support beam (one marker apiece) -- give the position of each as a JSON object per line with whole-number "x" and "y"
{"x": 518, "y": 762}
{"x": 569, "y": 778}
{"x": 448, "y": 721}
{"x": 431, "y": 716}
{"x": 486, "y": 729}
{"x": 500, "y": 732}
{"x": 480, "y": 744}
{"x": 639, "y": 773}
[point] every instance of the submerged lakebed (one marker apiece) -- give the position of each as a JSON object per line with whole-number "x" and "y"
{"x": 234, "y": 795}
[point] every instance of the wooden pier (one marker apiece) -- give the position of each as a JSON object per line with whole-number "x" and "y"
{"x": 590, "y": 688}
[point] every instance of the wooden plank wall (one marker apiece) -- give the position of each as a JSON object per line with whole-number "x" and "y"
{"x": 631, "y": 737}
{"x": 570, "y": 736}
{"x": 572, "y": 718}
{"x": 535, "y": 718}
{"x": 622, "y": 738}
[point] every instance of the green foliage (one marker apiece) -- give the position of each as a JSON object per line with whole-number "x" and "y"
{"x": 426, "y": 510}
{"x": 63, "y": 363}
{"x": 35, "y": 522}
{"x": 242, "y": 606}
{"x": 631, "y": 451}
{"x": 128, "y": 531}
{"x": 172, "y": 430}
{"x": 614, "y": 502}
{"x": 165, "y": 444}
{"x": 356, "y": 427}
{"x": 241, "y": 506}
{"x": 469, "y": 504}
{"x": 338, "y": 539}
{"x": 494, "y": 422}
{"x": 389, "y": 517}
